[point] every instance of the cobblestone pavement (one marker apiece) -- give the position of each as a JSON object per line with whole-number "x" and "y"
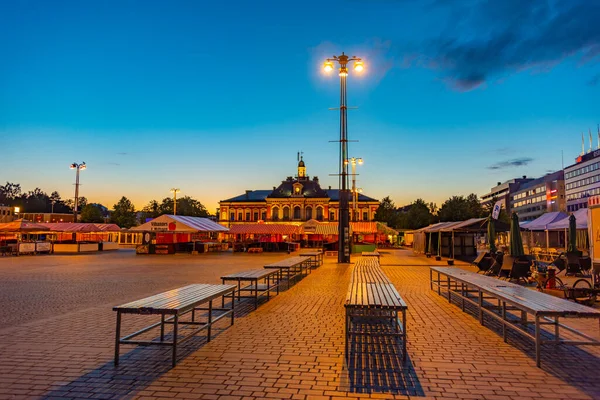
{"x": 57, "y": 333}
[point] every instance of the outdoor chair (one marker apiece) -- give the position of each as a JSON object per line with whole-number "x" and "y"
{"x": 483, "y": 262}
{"x": 585, "y": 264}
{"x": 573, "y": 267}
{"x": 506, "y": 267}
{"x": 521, "y": 269}
{"x": 496, "y": 266}
{"x": 559, "y": 262}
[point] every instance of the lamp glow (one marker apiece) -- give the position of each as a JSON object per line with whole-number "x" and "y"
{"x": 328, "y": 66}
{"x": 358, "y": 66}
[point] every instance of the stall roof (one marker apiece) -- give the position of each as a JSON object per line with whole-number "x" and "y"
{"x": 108, "y": 227}
{"x": 264, "y": 229}
{"x": 180, "y": 223}
{"x": 478, "y": 225}
{"x": 383, "y": 228}
{"x": 22, "y": 226}
{"x": 542, "y": 222}
{"x": 71, "y": 227}
{"x": 581, "y": 219}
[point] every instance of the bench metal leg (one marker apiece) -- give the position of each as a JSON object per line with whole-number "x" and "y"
{"x": 209, "y": 320}
{"x": 256, "y": 295}
{"x": 504, "y": 321}
{"x": 481, "y": 307}
{"x": 430, "y": 279}
{"x": 233, "y": 306}
{"x": 537, "y": 341}
{"x": 448, "y": 287}
{"x": 162, "y": 327}
{"x": 175, "y": 326}
{"x": 556, "y": 330}
{"x": 404, "y": 335}
{"x": 118, "y": 338}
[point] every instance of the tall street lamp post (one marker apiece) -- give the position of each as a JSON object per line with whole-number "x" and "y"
{"x": 344, "y": 219}
{"x": 175, "y": 191}
{"x": 77, "y": 167}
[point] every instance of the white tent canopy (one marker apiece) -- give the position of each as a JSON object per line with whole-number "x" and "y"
{"x": 180, "y": 224}
{"x": 542, "y": 222}
{"x": 581, "y": 219}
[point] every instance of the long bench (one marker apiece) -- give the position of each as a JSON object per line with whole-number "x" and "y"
{"x": 257, "y": 282}
{"x": 292, "y": 267}
{"x": 497, "y": 299}
{"x": 372, "y": 297}
{"x": 315, "y": 256}
{"x": 171, "y": 306}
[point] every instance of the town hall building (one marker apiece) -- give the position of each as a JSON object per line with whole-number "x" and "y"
{"x": 294, "y": 201}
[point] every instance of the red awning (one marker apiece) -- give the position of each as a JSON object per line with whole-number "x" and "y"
{"x": 264, "y": 229}
{"x": 364, "y": 227}
{"x": 71, "y": 227}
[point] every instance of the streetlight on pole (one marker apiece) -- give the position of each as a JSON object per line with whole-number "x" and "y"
{"x": 175, "y": 191}
{"x": 353, "y": 161}
{"x": 77, "y": 168}
{"x": 344, "y": 219}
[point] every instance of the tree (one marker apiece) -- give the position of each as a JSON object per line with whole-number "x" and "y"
{"x": 419, "y": 215}
{"x": 91, "y": 213}
{"x": 123, "y": 213}
{"x": 150, "y": 210}
{"x": 10, "y": 193}
{"x": 186, "y": 205}
{"x": 460, "y": 208}
{"x": 488, "y": 208}
{"x": 386, "y": 212}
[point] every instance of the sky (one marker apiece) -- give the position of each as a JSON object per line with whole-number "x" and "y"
{"x": 216, "y": 98}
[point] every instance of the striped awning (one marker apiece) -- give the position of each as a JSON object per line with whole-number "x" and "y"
{"x": 71, "y": 227}
{"x": 364, "y": 227}
{"x": 264, "y": 229}
{"x": 327, "y": 229}
{"x": 180, "y": 224}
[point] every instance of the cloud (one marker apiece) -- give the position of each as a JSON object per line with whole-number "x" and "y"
{"x": 113, "y": 163}
{"x": 487, "y": 41}
{"x": 123, "y": 153}
{"x": 517, "y": 162}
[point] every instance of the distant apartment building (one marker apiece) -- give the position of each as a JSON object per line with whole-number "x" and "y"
{"x": 7, "y": 213}
{"x": 503, "y": 192}
{"x": 582, "y": 180}
{"x": 545, "y": 194}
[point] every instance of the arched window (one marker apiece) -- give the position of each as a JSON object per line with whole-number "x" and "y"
{"x": 331, "y": 216}
{"x": 275, "y": 213}
{"x": 286, "y": 213}
{"x": 308, "y": 213}
{"x": 297, "y": 212}
{"x": 319, "y": 213}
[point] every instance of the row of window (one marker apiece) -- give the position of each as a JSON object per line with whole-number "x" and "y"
{"x": 575, "y": 207}
{"x": 527, "y": 193}
{"x": 582, "y": 170}
{"x": 583, "y": 182}
{"x": 531, "y": 209}
{"x": 248, "y": 216}
{"x": 583, "y": 194}
{"x": 532, "y": 200}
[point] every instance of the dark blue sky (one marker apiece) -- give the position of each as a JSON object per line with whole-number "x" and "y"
{"x": 216, "y": 98}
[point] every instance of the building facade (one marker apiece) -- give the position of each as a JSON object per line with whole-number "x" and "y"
{"x": 545, "y": 194}
{"x": 582, "y": 180}
{"x": 294, "y": 201}
{"x": 503, "y": 192}
{"x": 7, "y": 214}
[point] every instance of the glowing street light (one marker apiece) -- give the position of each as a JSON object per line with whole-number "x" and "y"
{"x": 353, "y": 161}
{"x": 344, "y": 220}
{"x": 77, "y": 168}
{"x": 175, "y": 191}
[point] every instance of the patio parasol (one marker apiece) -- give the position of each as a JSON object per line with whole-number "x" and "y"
{"x": 572, "y": 243}
{"x": 491, "y": 235}
{"x": 516, "y": 243}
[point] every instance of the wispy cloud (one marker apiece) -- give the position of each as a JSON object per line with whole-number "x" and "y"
{"x": 113, "y": 163}
{"x": 500, "y": 38}
{"x": 517, "y": 162}
{"x": 123, "y": 153}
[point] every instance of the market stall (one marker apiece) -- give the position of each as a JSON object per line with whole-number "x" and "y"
{"x": 23, "y": 237}
{"x": 169, "y": 234}
{"x": 269, "y": 237}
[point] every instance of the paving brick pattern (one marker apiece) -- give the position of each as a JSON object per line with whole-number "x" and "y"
{"x": 57, "y": 341}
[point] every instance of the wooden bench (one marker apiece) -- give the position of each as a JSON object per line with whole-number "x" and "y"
{"x": 316, "y": 257}
{"x": 254, "y": 286}
{"x": 293, "y": 267}
{"x": 171, "y": 306}
{"x": 371, "y": 254}
{"x": 255, "y": 250}
{"x": 372, "y": 296}
{"x": 498, "y": 299}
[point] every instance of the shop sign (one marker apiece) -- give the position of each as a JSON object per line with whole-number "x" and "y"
{"x": 163, "y": 226}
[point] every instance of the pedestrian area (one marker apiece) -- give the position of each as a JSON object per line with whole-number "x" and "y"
{"x": 292, "y": 347}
